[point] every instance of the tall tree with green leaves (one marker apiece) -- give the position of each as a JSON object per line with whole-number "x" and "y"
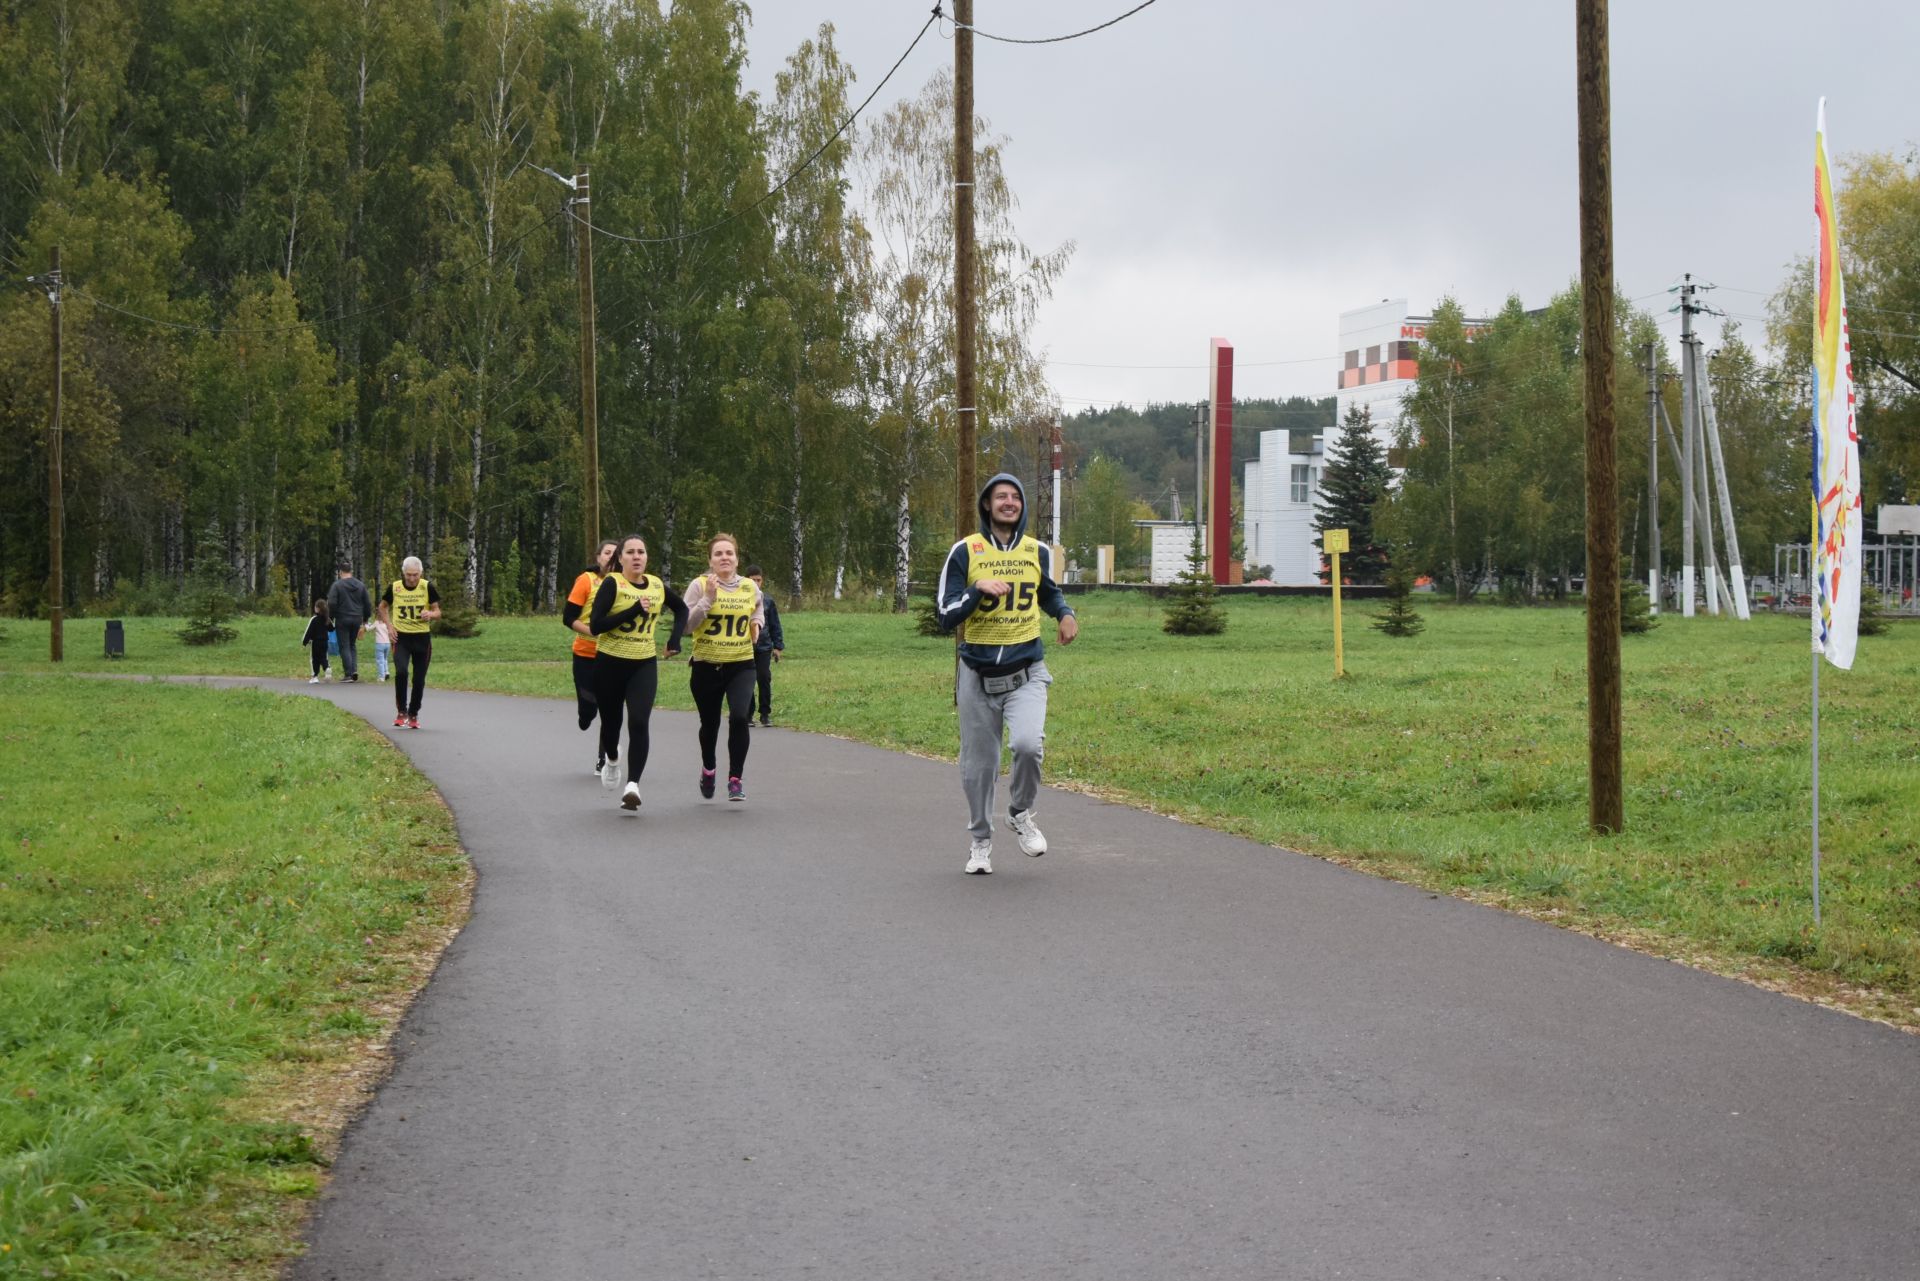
{"x": 681, "y": 170}
{"x": 1494, "y": 490}
{"x": 906, "y": 163}
{"x": 490, "y": 219}
{"x": 807, "y": 316}
{"x": 264, "y": 466}
{"x": 1103, "y": 512}
{"x": 1879, "y": 198}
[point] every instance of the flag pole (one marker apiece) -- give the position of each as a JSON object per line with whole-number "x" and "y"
{"x": 1816, "y": 788}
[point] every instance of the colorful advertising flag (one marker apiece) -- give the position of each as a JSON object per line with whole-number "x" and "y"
{"x": 1838, "y": 517}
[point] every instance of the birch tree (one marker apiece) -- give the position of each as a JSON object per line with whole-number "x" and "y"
{"x": 906, "y": 163}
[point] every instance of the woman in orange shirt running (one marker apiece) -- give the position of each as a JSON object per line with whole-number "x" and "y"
{"x": 574, "y": 615}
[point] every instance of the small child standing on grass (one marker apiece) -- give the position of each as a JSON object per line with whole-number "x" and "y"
{"x": 315, "y": 639}
{"x": 382, "y": 646}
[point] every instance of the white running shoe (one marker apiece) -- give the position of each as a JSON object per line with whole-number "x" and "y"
{"x": 980, "y": 859}
{"x": 610, "y": 774}
{"x": 630, "y": 799}
{"x": 313, "y": 680}
{"x": 1032, "y": 842}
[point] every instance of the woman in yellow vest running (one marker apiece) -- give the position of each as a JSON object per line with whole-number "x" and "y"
{"x": 626, "y": 668}
{"x": 574, "y": 617}
{"x": 409, "y": 606}
{"x": 725, "y": 615}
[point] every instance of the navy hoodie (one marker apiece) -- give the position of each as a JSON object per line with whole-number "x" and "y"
{"x": 955, "y": 600}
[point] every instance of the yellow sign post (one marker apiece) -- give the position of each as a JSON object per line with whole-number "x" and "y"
{"x": 1333, "y": 542}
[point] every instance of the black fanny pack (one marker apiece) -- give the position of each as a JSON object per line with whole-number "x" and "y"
{"x": 1004, "y": 678}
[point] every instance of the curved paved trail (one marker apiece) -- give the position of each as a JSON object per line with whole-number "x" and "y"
{"x": 790, "y": 1039}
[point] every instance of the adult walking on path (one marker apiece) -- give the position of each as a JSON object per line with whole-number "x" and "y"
{"x": 776, "y": 1043}
{"x": 409, "y": 606}
{"x": 348, "y": 603}
{"x": 725, "y": 613}
{"x": 993, "y": 587}
{"x": 626, "y": 614}
{"x": 768, "y": 646}
{"x": 574, "y": 616}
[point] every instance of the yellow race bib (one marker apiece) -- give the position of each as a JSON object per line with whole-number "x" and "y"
{"x": 1012, "y": 619}
{"x": 409, "y": 603}
{"x": 634, "y": 638}
{"x": 727, "y": 634}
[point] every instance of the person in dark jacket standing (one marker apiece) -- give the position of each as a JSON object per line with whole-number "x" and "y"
{"x": 767, "y": 648}
{"x": 993, "y": 588}
{"x": 351, "y": 607}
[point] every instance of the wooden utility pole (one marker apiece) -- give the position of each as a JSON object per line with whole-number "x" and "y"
{"x": 1605, "y": 804}
{"x": 965, "y": 311}
{"x": 581, "y": 204}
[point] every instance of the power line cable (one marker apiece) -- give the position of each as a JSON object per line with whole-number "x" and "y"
{"x": 1851, "y": 305}
{"x": 803, "y": 166}
{"x": 1854, "y": 329}
{"x": 988, "y": 35}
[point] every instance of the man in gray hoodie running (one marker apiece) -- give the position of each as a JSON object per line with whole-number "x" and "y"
{"x": 994, "y": 587}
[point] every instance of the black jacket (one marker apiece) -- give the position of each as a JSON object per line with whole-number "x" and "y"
{"x": 771, "y": 637}
{"x": 348, "y": 602}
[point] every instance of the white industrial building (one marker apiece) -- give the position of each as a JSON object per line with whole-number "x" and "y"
{"x": 1379, "y": 367}
{"x": 1278, "y": 493}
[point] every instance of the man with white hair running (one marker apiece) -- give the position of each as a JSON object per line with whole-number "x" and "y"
{"x": 413, "y": 603}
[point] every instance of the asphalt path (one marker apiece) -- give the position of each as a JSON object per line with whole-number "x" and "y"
{"x": 789, "y": 1038}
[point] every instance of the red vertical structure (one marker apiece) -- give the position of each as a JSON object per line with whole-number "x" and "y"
{"x": 1220, "y": 489}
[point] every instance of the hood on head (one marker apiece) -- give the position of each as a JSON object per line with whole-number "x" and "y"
{"x": 986, "y": 517}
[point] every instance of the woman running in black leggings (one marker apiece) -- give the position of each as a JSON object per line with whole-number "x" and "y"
{"x": 730, "y": 608}
{"x": 626, "y": 674}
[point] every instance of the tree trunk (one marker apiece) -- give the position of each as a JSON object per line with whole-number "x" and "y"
{"x": 902, "y": 548}
{"x": 840, "y": 564}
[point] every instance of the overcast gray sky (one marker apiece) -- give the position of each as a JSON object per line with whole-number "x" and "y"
{"x": 1251, "y": 169}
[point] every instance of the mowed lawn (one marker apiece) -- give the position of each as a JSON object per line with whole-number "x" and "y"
{"x": 1455, "y": 759}
{"x": 213, "y": 906}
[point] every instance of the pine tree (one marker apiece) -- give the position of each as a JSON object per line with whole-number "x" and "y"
{"x": 459, "y": 616}
{"x": 1636, "y": 619}
{"x": 1400, "y": 618}
{"x": 1873, "y": 618}
{"x": 208, "y": 594}
{"x": 1193, "y": 609}
{"x": 1356, "y": 477}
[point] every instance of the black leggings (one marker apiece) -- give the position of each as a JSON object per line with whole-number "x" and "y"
{"x": 415, "y": 649}
{"x": 711, "y": 682}
{"x": 625, "y": 688}
{"x": 583, "y": 689}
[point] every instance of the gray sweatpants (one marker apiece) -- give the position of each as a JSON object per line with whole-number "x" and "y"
{"x": 1023, "y": 715}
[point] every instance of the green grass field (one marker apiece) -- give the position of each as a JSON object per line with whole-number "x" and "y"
{"x": 211, "y": 905}
{"x": 1455, "y": 759}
